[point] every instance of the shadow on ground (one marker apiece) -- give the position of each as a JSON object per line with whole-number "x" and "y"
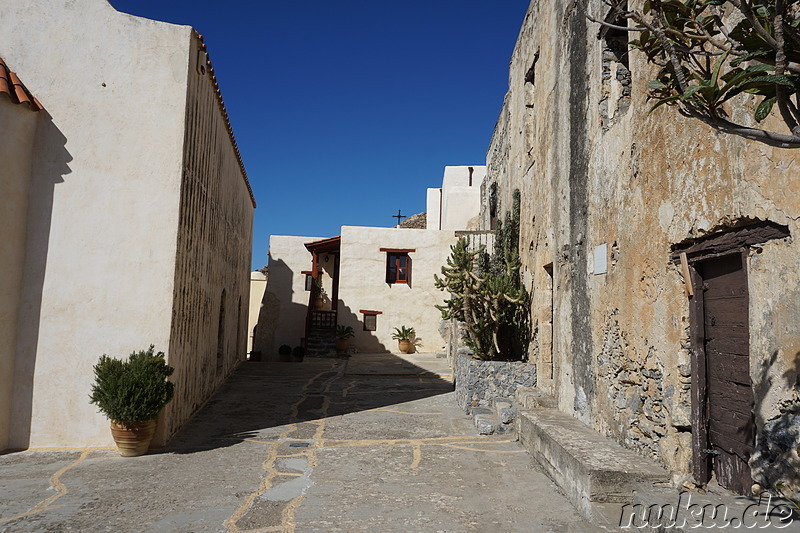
{"x": 260, "y": 400}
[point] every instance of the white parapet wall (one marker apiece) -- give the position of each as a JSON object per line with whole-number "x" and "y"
{"x": 456, "y": 205}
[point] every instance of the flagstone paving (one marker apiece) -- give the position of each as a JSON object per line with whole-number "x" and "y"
{"x": 372, "y": 443}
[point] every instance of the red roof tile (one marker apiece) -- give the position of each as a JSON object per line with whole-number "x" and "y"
{"x": 16, "y": 91}
{"x": 331, "y": 244}
{"x": 221, "y": 103}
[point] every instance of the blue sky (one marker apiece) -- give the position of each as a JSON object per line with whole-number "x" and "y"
{"x": 346, "y": 111}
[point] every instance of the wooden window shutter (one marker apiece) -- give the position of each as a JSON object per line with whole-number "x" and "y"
{"x": 408, "y": 270}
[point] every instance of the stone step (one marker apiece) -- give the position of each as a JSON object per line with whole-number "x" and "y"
{"x": 495, "y": 420}
{"x": 589, "y": 468}
{"x": 532, "y": 398}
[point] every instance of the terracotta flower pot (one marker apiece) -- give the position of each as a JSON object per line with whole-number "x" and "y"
{"x": 405, "y": 346}
{"x": 133, "y": 440}
{"x": 341, "y": 345}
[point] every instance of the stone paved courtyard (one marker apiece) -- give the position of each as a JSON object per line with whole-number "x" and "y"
{"x": 374, "y": 443}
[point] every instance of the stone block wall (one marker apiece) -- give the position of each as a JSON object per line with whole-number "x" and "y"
{"x": 479, "y": 382}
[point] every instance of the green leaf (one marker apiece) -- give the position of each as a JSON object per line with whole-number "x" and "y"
{"x": 764, "y": 108}
{"x": 656, "y": 84}
{"x": 691, "y": 91}
{"x": 748, "y": 56}
{"x": 717, "y": 68}
{"x": 762, "y": 11}
{"x": 751, "y": 73}
{"x": 761, "y": 83}
{"x": 666, "y": 100}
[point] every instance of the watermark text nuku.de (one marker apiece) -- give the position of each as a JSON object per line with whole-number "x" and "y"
{"x": 761, "y": 513}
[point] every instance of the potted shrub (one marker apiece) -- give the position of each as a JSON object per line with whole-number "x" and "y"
{"x": 285, "y": 353}
{"x": 297, "y": 354}
{"x": 403, "y": 335}
{"x": 343, "y": 334}
{"x": 319, "y": 294}
{"x": 131, "y": 393}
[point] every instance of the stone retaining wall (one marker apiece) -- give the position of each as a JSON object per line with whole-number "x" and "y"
{"x": 478, "y": 382}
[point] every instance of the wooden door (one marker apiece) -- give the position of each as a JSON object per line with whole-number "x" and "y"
{"x": 729, "y": 401}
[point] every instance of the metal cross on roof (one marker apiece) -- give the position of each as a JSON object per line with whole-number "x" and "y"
{"x": 399, "y": 217}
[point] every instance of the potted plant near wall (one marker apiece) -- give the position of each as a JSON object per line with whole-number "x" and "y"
{"x": 404, "y": 335}
{"x": 131, "y": 393}
{"x": 284, "y": 353}
{"x": 298, "y": 352}
{"x": 343, "y": 334}
{"x": 319, "y": 294}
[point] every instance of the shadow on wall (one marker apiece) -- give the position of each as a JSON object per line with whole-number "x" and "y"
{"x": 50, "y": 165}
{"x": 776, "y": 459}
{"x": 364, "y": 341}
{"x": 278, "y": 310}
{"x": 300, "y": 395}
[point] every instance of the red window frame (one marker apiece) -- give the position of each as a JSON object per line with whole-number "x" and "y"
{"x": 370, "y": 319}
{"x": 398, "y": 266}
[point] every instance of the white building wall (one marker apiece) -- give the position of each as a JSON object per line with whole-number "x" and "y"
{"x": 214, "y": 242}
{"x": 285, "y": 303}
{"x": 456, "y": 205}
{"x": 258, "y": 284}
{"x": 362, "y": 286}
{"x": 433, "y": 209}
{"x": 103, "y": 211}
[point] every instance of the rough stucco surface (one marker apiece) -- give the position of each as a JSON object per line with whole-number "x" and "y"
{"x": 363, "y": 286}
{"x": 19, "y": 127}
{"x": 640, "y": 184}
{"x": 209, "y": 320}
{"x": 105, "y": 271}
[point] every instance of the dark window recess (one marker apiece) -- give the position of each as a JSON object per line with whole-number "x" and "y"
{"x": 221, "y": 334}
{"x": 398, "y": 268}
{"x": 494, "y": 204}
{"x": 370, "y": 322}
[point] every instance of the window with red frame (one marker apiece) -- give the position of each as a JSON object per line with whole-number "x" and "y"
{"x": 398, "y": 266}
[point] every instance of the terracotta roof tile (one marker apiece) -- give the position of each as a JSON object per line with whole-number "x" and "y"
{"x": 221, "y": 103}
{"x": 11, "y": 85}
{"x": 331, "y": 244}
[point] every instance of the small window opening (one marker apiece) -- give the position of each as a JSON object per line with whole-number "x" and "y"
{"x": 370, "y": 319}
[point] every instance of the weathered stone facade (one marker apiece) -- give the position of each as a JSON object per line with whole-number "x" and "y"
{"x": 612, "y": 343}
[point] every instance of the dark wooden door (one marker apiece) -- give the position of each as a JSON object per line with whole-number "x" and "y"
{"x": 731, "y": 428}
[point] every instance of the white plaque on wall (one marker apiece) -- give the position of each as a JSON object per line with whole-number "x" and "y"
{"x": 601, "y": 259}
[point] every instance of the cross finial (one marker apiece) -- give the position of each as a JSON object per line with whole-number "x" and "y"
{"x": 399, "y": 217}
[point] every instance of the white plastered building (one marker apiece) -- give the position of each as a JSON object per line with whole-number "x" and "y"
{"x": 375, "y": 279}
{"x": 132, "y": 217}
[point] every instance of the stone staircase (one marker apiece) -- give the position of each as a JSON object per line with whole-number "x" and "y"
{"x": 321, "y": 343}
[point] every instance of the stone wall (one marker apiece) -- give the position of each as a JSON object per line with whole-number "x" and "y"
{"x": 479, "y": 382}
{"x": 595, "y": 167}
